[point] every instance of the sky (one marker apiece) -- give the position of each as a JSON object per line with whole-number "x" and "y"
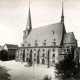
{"x": 14, "y": 13}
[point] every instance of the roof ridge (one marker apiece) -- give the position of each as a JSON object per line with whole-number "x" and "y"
{"x": 47, "y": 25}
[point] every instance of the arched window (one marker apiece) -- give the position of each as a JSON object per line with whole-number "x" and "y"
{"x": 44, "y": 43}
{"x": 27, "y": 54}
{"x": 53, "y": 55}
{"x": 34, "y": 54}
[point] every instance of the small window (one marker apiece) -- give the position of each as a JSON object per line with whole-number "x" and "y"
{"x": 44, "y": 40}
{"x": 34, "y": 59}
{"x": 21, "y": 54}
{"x": 54, "y": 43}
{"x": 53, "y": 61}
{"x": 43, "y": 50}
{"x": 35, "y": 40}
{"x": 54, "y": 39}
{"x": 34, "y": 49}
{"x": 27, "y": 54}
{"x": 34, "y": 54}
{"x": 53, "y": 50}
{"x": 28, "y": 44}
{"x": 35, "y": 44}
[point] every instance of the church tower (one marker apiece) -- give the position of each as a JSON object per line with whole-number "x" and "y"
{"x": 62, "y": 17}
{"x": 28, "y": 27}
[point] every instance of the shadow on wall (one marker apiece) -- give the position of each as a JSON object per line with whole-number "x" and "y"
{"x": 3, "y": 73}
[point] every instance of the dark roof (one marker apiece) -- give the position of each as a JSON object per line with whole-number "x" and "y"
{"x": 11, "y": 46}
{"x": 50, "y": 33}
{"x": 69, "y": 38}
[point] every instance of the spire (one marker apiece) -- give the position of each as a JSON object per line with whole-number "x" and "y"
{"x": 29, "y": 25}
{"x": 62, "y": 17}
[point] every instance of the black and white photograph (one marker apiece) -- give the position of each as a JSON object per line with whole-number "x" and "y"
{"x": 39, "y": 39}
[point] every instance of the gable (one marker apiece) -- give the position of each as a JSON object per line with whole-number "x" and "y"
{"x": 5, "y": 47}
{"x": 69, "y": 38}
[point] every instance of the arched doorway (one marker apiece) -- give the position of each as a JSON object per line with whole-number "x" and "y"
{"x": 43, "y": 61}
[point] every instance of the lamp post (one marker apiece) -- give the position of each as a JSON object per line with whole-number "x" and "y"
{"x": 33, "y": 70}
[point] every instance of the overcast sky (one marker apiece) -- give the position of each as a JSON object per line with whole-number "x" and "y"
{"x": 14, "y": 13}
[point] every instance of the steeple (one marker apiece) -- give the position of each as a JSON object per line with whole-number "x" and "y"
{"x": 29, "y": 25}
{"x": 62, "y": 17}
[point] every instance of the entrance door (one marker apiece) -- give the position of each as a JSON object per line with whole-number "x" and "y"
{"x": 43, "y": 61}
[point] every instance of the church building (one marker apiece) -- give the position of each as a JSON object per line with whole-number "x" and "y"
{"x": 46, "y": 44}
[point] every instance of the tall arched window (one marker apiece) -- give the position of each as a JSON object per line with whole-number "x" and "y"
{"x": 53, "y": 55}
{"x": 34, "y": 54}
{"x": 43, "y": 55}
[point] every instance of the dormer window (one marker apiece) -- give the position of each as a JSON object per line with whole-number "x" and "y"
{"x": 44, "y": 43}
{"x": 28, "y": 44}
{"x": 35, "y": 43}
{"x": 54, "y": 43}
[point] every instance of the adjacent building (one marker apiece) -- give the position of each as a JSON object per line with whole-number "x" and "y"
{"x": 11, "y": 49}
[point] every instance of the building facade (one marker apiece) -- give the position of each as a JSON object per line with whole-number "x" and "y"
{"x": 47, "y": 44}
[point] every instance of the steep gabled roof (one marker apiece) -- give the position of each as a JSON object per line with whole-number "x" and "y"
{"x": 69, "y": 38}
{"x": 11, "y": 46}
{"x": 50, "y": 33}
